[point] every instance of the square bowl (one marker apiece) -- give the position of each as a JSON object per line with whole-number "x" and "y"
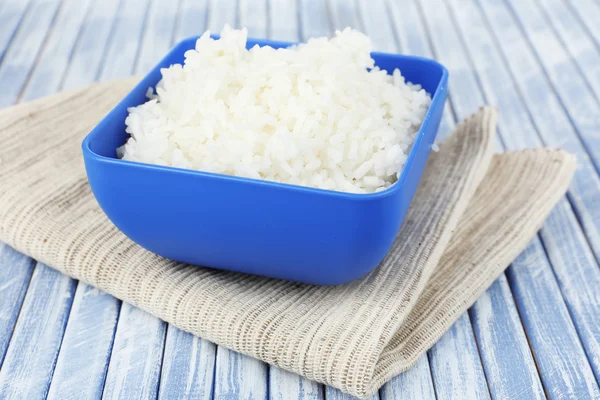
{"x": 258, "y": 227}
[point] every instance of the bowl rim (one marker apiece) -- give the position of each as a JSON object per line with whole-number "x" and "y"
{"x": 439, "y": 96}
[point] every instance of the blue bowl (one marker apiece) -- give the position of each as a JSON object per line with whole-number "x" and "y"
{"x": 258, "y": 227}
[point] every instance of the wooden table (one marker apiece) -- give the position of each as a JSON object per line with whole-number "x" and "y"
{"x": 535, "y": 333}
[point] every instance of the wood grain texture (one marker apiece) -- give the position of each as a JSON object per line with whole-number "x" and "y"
{"x": 124, "y": 45}
{"x": 56, "y": 54}
{"x": 588, "y": 14}
{"x": 314, "y": 19}
{"x": 561, "y": 360}
{"x": 336, "y": 394}
{"x": 87, "y": 58}
{"x": 376, "y": 21}
{"x": 136, "y": 359}
{"x": 571, "y": 258}
{"x": 22, "y": 52}
{"x": 253, "y": 16}
{"x": 239, "y": 377}
{"x": 29, "y": 363}
{"x": 11, "y": 15}
{"x": 287, "y": 385}
{"x": 188, "y": 367}
{"x": 192, "y": 19}
{"x": 222, "y": 12}
{"x": 416, "y": 383}
{"x": 343, "y": 14}
{"x": 576, "y": 95}
{"x": 15, "y": 274}
{"x": 283, "y": 20}
{"x": 456, "y": 373}
{"x": 158, "y": 35}
{"x": 86, "y": 346}
{"x": 580, "y": 47}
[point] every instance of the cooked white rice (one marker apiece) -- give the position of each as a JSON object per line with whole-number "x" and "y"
{"x": 312, "y": 115}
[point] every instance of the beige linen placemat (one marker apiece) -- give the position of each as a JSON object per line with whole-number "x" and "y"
{"x": 472, "y": 215}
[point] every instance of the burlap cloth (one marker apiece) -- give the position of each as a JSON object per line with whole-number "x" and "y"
{"x": 472, "y": 215}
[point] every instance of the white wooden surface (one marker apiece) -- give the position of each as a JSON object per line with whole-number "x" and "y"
{"x": 533, "y": 334}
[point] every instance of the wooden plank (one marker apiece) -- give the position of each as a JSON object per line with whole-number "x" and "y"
{"x": 136, "y": 358}
{"x": 15, "y": 274}
{"x": 87, "y": 59}
{"x": 516, "y": 128}
{"x": 222, "y": 12}
{"x": 287, "y": 385}
{"x": 188, "y": 367}
{"x": 239, "y": 377}
{"x": 571, "y": 258}
{"x": 415, "y": 383}
{"x": 562, "y": 363}
{"x": 314, "y": 19}
{"x": 11, "y": 15}
{"x": 158, "y": 35}
{"x": 574, "y": 38}
{"x": 455, "y": 375}
{"x": 124, "y": 45}
{"x": 588, "y": 13}
{"x": 31, "y": 355}
{"x": 343, "y": 14}
{"x": 283, "y": 20}
{"x": 576, "y": 95}
{"x": 376, "y": 21}
{"x": 54, "y": 58}
{"x": 336, "y": 394}
{"x": 192, "y": 19}
{"x": 86, "y": 347}
{"x": 21, "y": 55}
{"x": 254, "y": 17}
{"x": 509, "y": 366}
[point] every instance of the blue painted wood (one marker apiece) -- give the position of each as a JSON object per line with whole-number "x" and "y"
{"x": 561, "y": 360}
{"x": 314, "y": 19}
{"x": 416, "y": 383}
{"x": 574, "y": 92}
{"x": 287, "y": 385}
{"x": 136, "y": 358}
{"x": 336, "y": 394}
{"x": 87, "y": 58}
{"x": 11, "y": 14}
{"x": 516, "y": 128}
{"x": 56, "y": 54}
{"x": 572, "y": 259}
{"x": 588, "y": 13}
{"x": 192, "y": 19}
{"x": 253, "y": 16}
{"x": 507, "y": 361}
{"x": 376, "y": 22}
{"x": 158, "y": 35}
{"x": 124, "y": 45}
{"x": 572, "y": 34}
{"x": 188, "y": 367}
{"x": 21, "y": 55}
{"x": 239, "y": 377}
{"x": 86, "y": 346}
{"x": 455, "y": 374}
{"x": 222, "y": 12}
{"x": 31, "y": 355}
{"x": 15, "y": 274}
{"x": 343, "y": 14}
{"x": 283, "y": 20}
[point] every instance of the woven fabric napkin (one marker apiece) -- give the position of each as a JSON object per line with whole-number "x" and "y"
{"x": 473, "y": 213}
